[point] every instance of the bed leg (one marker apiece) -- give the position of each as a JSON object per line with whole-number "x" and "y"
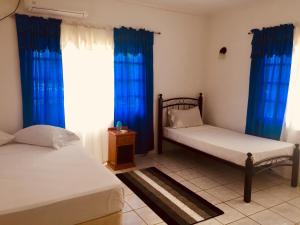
{"x": 160, "y": 124}
{"x": 295, "y": 170}
{"x": 248, "y": 178}
{"x": 159, "y": 147}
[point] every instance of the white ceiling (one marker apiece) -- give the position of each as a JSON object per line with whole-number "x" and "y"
{"x": 196, "y": 7}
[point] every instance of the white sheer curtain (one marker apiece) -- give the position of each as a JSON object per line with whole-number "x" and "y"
{"x": 88, "y": 70}
{"x": 291, "y": 131}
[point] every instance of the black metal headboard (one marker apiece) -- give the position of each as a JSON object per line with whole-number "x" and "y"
{"x": 177, "y": 103}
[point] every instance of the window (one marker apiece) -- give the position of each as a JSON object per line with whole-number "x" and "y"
{"x": 275, "y": 83}
{"x": 133, "y": 73}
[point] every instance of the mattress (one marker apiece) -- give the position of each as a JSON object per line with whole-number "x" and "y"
{"x": 43, "y": 186}
{"x": 228, "y": 145}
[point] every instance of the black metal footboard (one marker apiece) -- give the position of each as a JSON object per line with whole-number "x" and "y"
{"x": 252, "y": 168}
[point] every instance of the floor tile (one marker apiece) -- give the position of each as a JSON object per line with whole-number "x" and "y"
{"x": 175, "y": 177}
{"x": 126, "y": 208}
{"x": 295, "y": 202}
{"x": 238, "y": 187}
{"x": 265, "y": 199}
{"x": 223, "y": 193}
{"x": 144, "y": 162}
{"x": 270, "y": 178}
{"x": 230, "y": 214}
{"x": 134, "y": 201}
{"x": 268, "y": 217}
{"x": 148, "y": 216}
{"x": 297, "y": 189}
{"x": 127, "y": 190}
{"x": 208, "y": 197}
{"x": 204, "y": 182}
{"x": 173, "y": 167}
{"x": 189, "y": 174}
{"x": 288, "y": 211}
{"x": 244, "y": 221}
{"x": 224, "y": 179}
{"x": 283, "y": 192}
{"x": 131, "y": 218}
{"x": 245, "y": 208}
{"x": 190, "y": 186}
{"x": 163, "y": 169}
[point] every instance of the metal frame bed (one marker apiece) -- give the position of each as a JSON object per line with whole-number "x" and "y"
{"x": 250, "y": 168}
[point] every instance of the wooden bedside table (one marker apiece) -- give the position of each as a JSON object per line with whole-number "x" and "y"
{"x": 121, "y": 149}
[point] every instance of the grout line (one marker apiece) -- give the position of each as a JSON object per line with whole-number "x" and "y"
{"x": 282, "y": 215}
{"x": 250, "y": 214}
{"x": 152, "y": 211}
{"x": 248, "y": 218}
{"x": 140, "y": 216}
{"x": 224, "y": 214}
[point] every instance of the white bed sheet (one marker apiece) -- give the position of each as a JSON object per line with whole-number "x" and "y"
{"x": 228, "y": 145}
{"x": 42, "y": 186}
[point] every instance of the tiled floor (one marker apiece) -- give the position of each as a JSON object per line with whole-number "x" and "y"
{"x": 274, "y": 201}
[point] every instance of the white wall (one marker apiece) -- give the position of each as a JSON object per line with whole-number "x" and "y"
{"x": 178, "y": 52}
{"x": 227, "y": 79}
{"x": 10, "y": 90}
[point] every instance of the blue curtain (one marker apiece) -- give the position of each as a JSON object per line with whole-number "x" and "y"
{"x": 269, "y": 80}
{"x": 41, "y": 71}
{"x": 134, "y": 84}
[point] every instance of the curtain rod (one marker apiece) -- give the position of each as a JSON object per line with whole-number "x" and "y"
{"x": 251, "y": 31}
{"x": 105, "y": 28}
{"x": 86, "y": 24}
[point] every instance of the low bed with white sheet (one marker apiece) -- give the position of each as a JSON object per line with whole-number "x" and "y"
{"x": 43, "y": 186}
{"x": 228, "y": 145}
{"x": 250, "y": 153}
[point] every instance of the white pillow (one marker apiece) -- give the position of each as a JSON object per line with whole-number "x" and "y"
{"x": 5, "y": 138}
{"x": 46, "y": 136}
{"x": 185, "y": 118}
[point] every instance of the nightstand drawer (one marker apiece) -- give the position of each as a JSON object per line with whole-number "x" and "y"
{"x": 125, "y": 140}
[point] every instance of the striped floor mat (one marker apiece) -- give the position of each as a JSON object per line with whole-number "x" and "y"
{"x": 174, "y": 203}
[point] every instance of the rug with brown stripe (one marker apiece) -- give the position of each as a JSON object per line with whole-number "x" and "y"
{"x": 174, "y": 203}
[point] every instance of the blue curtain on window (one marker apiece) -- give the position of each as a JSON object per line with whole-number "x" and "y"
{"x": 269, "y": 80}
{"x": 133, "y": 50}
{"x": 41, "y": 71}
